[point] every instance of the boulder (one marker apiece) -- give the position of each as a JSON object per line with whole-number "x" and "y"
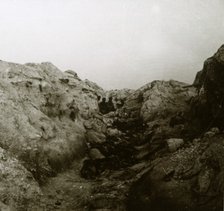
{"x": 212, "y": 132}
{"x": 95, "y": 154}
{"x": 164, "y": 98}
{"x": 72, "y": 73}
{"x": 174, "y": 144}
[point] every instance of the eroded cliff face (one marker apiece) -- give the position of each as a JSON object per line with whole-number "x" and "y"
{"x": 77, "y": 147}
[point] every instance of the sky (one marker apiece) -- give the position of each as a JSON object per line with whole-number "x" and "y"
{"x": 115, "y": 43}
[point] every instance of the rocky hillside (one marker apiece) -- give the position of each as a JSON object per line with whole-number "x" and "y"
{"x": 192, "y": 177}
{"x": 66, "y": 144}
{"x": 42, "y": 119}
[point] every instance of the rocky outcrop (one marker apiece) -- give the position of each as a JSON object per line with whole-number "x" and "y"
{"x": 190, "y": 178}
{"x": 209, "y": 81}
{"x": 67, "y": 144}
{"x": 43, "y": 111}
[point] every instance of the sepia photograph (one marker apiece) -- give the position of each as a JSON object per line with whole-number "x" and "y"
{"x": 111, "y": 105}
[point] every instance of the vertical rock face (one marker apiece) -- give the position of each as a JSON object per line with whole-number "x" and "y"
{"x": 210, "y": 83}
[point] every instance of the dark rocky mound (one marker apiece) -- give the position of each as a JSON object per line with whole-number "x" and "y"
{"x": 211, "y": 89}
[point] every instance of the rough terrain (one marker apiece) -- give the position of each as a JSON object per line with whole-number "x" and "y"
{"x": 67, "y": 144}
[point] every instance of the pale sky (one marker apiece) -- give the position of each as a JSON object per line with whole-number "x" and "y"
{"x": 115, "y": 43}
